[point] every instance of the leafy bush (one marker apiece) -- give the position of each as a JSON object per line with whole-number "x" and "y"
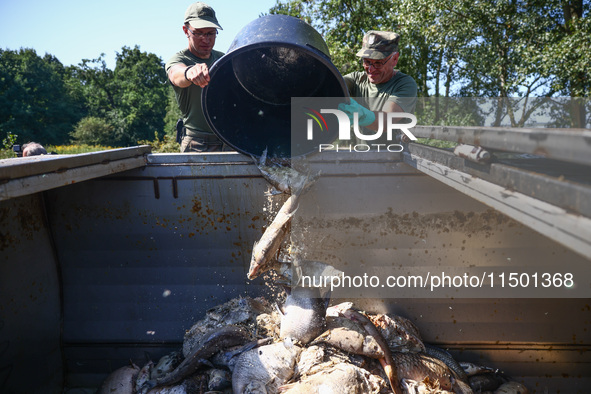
{"x": 6, "y": 151}
{"x": 92, "y": 131}
{"x": 168, "y": 144}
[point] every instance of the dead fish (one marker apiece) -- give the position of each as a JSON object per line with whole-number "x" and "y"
{"x": 426, "y": 386}
{"x": 265, "y": 368}
{"x": 268, "y": 324}
{"x": 191, "y": 385}
{"x": 448, "y": 359}
{"x": 472, "y": 369}
{"x": 512, "y": 388}
{"x": 418, "y": 366}
{"x": 314, "y": 271}
{"x": 229, "y": 357}
{"x": 282, "y": 176}
{"x": 336, "y": 310}
{"x": 178, "y": 389}
{"x": 400, "y": 333}
{"x": 341, "y": 378}
{"x": 483, "y": 378}
{"x": 486, "y": 382}
{"x": 386, "y": 361}
{"x": 303, "y": 272}
{"x": 321, "y": 357}
{"x": 144, "y": 374}
{"x": 304, "y": 314}
{"x": 265, "y": 250}
{"x": 309, "y": 357}
{"x": 166, "y": 364}
{"x": 348, "y": 335}
{"x": 214, "y": 342}
{"x": 241, "y": 311}
{"x": 120, "y": 381}
{"x": 219, "y": 379}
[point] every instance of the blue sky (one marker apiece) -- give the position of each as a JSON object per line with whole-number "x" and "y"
{"x": 74, "y": 30}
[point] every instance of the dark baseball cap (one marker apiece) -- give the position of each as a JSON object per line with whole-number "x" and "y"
{"x": 199, "y": 15}
{"x": 379, "y": 44}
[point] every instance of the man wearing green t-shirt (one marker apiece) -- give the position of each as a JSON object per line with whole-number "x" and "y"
{"x": 188, "y": 72}
{"x": 380, "y": 88}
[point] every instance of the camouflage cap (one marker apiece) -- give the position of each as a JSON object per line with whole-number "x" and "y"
{"x": 379, "y": 44}
{"x": 199, "y": 15}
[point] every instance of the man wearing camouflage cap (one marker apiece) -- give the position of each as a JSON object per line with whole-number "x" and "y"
{"x": 188, "y": 72}
{"x": 380, "y": 88}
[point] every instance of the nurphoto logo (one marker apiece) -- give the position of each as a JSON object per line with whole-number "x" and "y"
{"x": 322, "y": 124}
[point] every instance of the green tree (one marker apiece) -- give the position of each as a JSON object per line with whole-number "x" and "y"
{"x": 34, "y": 100}
{"x": 131, "y": 99}
{"x": 173, "y": 114}
{"x": 141, "y": 96}
{"x": 496, "y": 49}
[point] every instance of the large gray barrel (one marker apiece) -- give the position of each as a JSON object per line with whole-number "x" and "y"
{"x": 271, "y": 60}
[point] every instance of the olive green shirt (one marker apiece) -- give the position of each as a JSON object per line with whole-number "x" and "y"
{"x": 189, "y": 98}
{"x": 401, "y": 89}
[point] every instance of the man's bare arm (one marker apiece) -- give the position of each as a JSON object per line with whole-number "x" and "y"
{"x": 184, "y": 76}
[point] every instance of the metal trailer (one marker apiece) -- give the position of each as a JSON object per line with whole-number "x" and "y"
{"x": 110, "y": 256}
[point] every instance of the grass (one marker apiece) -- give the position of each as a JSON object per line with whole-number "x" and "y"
{"x": 75, "y": 149}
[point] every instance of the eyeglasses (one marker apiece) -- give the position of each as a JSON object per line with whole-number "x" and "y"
{"x": 376, "y": 63}
{"x": 197, "y": 34}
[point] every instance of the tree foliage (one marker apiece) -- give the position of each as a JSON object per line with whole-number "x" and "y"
{"x": 34, "y": 100}
{"x": 467, "y": 48}
{"x": 131, "y": 99}
{"x": 508, "y": 51}
{"x": 43, "y": 101}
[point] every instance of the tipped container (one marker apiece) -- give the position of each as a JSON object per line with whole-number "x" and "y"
{"x": 248, "y": 100}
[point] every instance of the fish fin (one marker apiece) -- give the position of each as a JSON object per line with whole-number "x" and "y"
{"x": 263, "y": 157}
{"x": 281, "y": 311}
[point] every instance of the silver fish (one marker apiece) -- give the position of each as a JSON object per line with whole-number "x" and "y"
{"x": 282, "y": 176}
{"x": 241, "y": 311}
{"x": 219, "y": 379}
{"x": 264, "y": 369}
{"x": 214, "y": 342}
{"x": 317, "y": 358}
{"x": 228, "y": 358}
{"x": 120, "y": 381}
{"x": 341, "y": 378}
{"x": 166, "y": 364}
{"x": 351, "y": 337}
{"x": 472, "y": 369}
{"x": 144, "y": 375}
{"x": 265, "y": 250}
{"x": 483, "y": 378}
{"x": 303, "y": 315}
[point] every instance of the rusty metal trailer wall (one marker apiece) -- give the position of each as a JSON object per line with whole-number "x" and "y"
{"x": 117, "y": 268}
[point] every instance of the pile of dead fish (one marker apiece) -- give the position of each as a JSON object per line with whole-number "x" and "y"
{"x": 247, "y": 345}
{"x": 298, "y": 344}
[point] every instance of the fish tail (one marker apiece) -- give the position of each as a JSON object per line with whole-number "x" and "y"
{"x": 391, "y": 374}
